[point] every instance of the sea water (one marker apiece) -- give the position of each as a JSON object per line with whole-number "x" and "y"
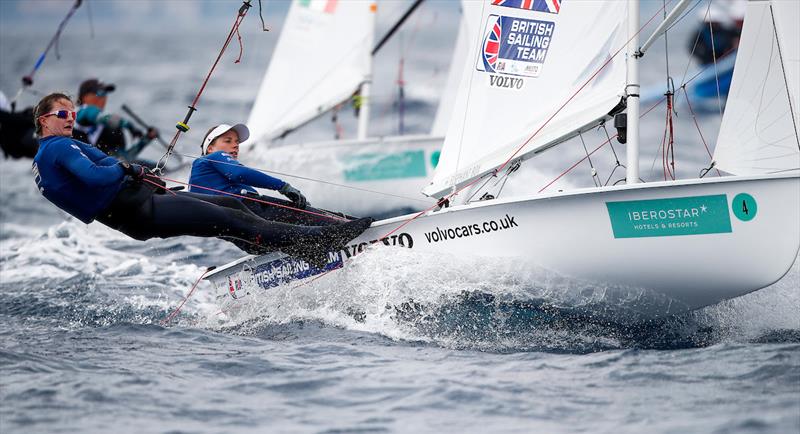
{"x": 401, "y": 345}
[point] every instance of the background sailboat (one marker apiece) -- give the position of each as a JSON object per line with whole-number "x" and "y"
{"x": 324, "y": 57}
{"x": 695, "y": 242}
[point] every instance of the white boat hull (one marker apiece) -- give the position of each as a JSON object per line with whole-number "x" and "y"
{"x": 362, "y": 177}
{"x": 696, "y": 242}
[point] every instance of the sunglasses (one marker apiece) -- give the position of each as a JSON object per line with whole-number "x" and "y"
{"x": 62, "y": 114}
{"x": 101, "y": 93}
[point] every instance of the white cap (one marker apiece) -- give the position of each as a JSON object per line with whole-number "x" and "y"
{"x": 241, "y": 130}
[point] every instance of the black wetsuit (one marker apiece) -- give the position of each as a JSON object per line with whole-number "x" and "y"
{"x": 16, "y": 134}
{"x": 709, "y": 44}
{"x": 285, "y": 211}
{"x": 90, "y": 185}
{"x": 141, "y": 213}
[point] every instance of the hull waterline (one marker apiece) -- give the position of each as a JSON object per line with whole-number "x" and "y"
{"x": 696, "y": 242}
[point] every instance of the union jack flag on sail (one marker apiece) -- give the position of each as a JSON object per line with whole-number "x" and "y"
{"x": 550, "y": 6}
{"x": 491, "y": 46}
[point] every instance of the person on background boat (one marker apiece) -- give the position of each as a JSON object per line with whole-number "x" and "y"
{"x": 90, "y": 185}
{"x": 104, "y": 130}
{"x": 219, "y": 172}
{"x": 719, "y": 31}
{"x": 16, "y": 131}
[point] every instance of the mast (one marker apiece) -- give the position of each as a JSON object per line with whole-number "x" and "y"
{"x": 364, "y": 90}
{"x": 632, "y": 92}
{"x": 364, "y": 103}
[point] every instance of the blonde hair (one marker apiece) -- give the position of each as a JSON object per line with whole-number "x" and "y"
{"x": 45, "y": 105}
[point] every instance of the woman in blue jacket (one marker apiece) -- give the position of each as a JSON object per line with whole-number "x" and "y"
{"x": 219, "y": 172}
{"x": 90, "y": 185}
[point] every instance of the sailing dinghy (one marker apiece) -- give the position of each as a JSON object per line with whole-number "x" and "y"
{"x": 323, "y": 56}
{"x": 694, "y": 241}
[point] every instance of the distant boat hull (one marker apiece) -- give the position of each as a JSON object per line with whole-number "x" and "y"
{"x": 362, "y": 177}
{"x": 695, "y": 242}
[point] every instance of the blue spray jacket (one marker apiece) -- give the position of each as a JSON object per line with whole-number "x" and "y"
{"x": 220, "y": 171}
{"x": 76, "y": 177}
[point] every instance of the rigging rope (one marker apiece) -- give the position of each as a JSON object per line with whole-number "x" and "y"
{"x": 699, "y": 131}
{"x": 613, "y": 151}
{"x": 576, "y": 163}
{"x": 260, "y": 15}
{"x": 667, "y": 143}
{"x": 785, "y": 79}
{"x": 148, "y": 127}
{"x": 27, "y": 80}
{"x": 241, "y": 196}
{"x": 546, "y": 122}
{"x": 586, "y": 83}
{"x": 671, "y": 92}
{"x": 400, "y": 81}
{"x": 608, "y": 141}
{"x": 275, "y": 172}
{"x": 183, "y": 126}
{"x": 595, "y": 177}
{"x": 477, "y": 190}
{"x": 714, "y": 57}
{"x": 447, "y": 198}
{"x": 189, "y": 294}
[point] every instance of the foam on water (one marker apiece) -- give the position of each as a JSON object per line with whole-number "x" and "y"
{"x": 72, "y": 262}
{"x": 453, "y": 302}
{"x": 469, "y": 302}
{"x": 365, "y": 349}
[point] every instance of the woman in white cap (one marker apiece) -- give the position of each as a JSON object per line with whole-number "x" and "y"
{"x": 90, "y": 185}
{"x": 219, "y": 172}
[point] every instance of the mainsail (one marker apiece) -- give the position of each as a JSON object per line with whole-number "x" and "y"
{"x": 759, "y": 131}
{"x": 324, "y": 49}
{"x": 467, "y": 30}
{"x": 523, "y": 65}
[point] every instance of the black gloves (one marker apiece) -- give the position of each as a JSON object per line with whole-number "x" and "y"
{"x": 135, "y": 171}
{"x": 148, "y": 135}
{"x": 135, "y": 132}
{"x": 140, "y": 173}
{"x": 294, "y": 195}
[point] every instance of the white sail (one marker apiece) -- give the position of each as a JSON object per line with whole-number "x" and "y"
{"x": 523, "y": 66}
{"x": 322, "y": 56}
{"x": 759, "y": 133}
{"x": 467, "y": 30}
{"x": 728, "y": 236}
{"x": 787, "y": 17}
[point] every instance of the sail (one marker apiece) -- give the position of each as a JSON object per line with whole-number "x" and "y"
{"x": 523, "y": 65}
{"x": 759, "y": 133}
{"x": 466, "y": 31}
{"x": 321, "y": 57}
{"x": 787, "y": 15}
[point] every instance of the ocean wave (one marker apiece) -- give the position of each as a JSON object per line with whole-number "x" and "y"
{"x": 469, "y": 303}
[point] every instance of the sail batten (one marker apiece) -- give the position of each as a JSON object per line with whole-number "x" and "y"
{"x": 522, "y": 66}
